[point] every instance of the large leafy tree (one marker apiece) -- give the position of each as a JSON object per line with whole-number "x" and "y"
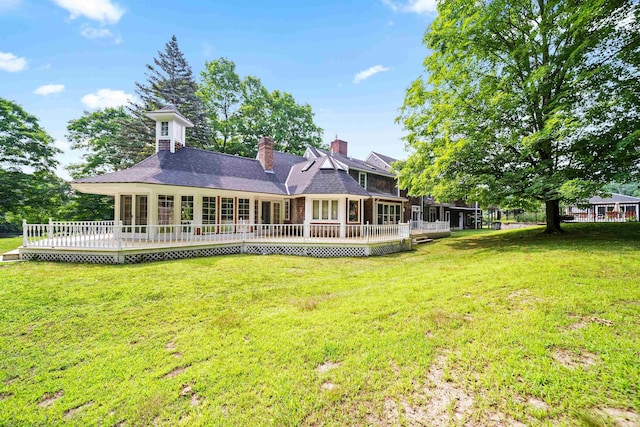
{"x": 169, "y": 81}
{"x": 99, "y": 134}
{"x": 524, "y": 101}
{"x": 28, "y": 185}
{"x": 241, "y": 110}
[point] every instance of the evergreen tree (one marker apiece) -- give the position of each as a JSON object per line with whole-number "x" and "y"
{"x": 169, "y": 81}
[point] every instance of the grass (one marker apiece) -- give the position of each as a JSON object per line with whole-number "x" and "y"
{"x": 516, "y": 325}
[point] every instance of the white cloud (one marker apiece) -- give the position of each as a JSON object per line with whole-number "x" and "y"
{"x": 6, "y": 5}
{"x": 421, "y": 6}
{"x": 104, "y": 11}
{"x": 365, "y": 74}
{"x": 104, "y": 98}
{"x": 10, "y": 62}
{"x": 95, "y": 33}
{"x": 412, "y": 6}
{"x": 393, "y": 6}
{"x": 45, "y": 90}
{"x": 90, "y": 32}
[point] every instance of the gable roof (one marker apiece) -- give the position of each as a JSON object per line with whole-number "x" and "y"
{"x": 357, "y": 164}
{"x": 615, "y": 198}
{"x": 388, "y": 160}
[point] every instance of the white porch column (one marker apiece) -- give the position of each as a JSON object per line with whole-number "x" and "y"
{"x": 116, "y": 208}
{"x": 342, "y": 216}
{"x": 308, "y": 214}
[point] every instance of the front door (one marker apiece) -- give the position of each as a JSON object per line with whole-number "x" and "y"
{"x": 133, "y": 214}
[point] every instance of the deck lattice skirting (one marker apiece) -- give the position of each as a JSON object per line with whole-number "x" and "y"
{"x": 107, "y": 243}
{"x": 134, "y": 256}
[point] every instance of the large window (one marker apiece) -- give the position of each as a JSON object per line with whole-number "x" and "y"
{"x": 243, "y": 210}
{"x": 141, "y": 213}
{"x": 165, "y": 210}
{"x": 209, "y": 214}
{"x": 325, "y": 210}
{"x": 186, "y": 208}
{"x": 389, "y": 213}
{"x": 287, "y": 210}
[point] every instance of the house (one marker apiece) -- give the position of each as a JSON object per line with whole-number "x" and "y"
{"x": 616, "y": 208}
{"x": 324, "y": 203}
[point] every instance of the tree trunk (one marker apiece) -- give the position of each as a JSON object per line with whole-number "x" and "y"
{"x": 553, "y": 217}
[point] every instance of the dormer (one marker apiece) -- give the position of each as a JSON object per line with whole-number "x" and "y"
{"x": 170, "y": 128}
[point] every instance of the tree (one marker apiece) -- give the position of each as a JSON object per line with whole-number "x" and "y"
{"x": 525, "y": 100}
{"x": 241, "y": 110}
{"x": 27, "y": 161}
{"x": 169, "y": 81}
{"x": 99, "y": 134}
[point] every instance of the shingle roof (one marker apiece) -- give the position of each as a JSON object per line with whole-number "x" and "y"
{"x": 192, "y": 167}
{"x": 388, "y": 160}
{"x": 615, "y": 198}
{"x": 355, "y": 163}
{"x": 314, "y": 177}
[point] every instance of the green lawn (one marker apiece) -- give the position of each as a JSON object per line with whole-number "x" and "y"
{"x": 495, "y": 328}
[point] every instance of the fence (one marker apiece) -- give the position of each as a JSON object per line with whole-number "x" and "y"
{"x": 108, "y": 235}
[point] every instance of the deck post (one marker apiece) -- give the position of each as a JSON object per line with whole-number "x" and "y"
{"x": 116, "y": 233}
{"x": 367, "y": 230}
{"x": 50, "y": 229}
{"x": 24, "y": 233}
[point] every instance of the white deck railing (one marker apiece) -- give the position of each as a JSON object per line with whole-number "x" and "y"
{"x": 107, "y": 235}
{"x": 425, "y": 227}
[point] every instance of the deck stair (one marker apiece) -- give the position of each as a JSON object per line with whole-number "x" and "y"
{"x": 419, "y": 238}
{"x": 13, "y": 255}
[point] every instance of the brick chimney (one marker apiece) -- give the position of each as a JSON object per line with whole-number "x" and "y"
{"x": 265, "y": 153}
{"x": 339, "y": 146}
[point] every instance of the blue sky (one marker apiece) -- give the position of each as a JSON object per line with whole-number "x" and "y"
{"x": 350, "y": 60}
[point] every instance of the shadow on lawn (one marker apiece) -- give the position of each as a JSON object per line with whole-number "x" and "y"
{"x": 578, "y": 237}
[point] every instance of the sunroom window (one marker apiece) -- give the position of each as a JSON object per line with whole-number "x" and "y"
{"x": 325, "y": 210}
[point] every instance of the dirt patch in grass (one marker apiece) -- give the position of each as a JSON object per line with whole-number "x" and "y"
{"x": 538, "y": 404}
{"x": 73, "y": 411}
{"x": 177, "y": 371}
{"x": 573, "y": 360}
{"x": 440, "y": 402}
{"x": 621, "y": 417}
{"x": 11, "y": 380}
{"x": 587, "y": 320}
{"x": 49, "y": 398}
{"x": 5, "y": 395}
{"x": 187, "y": 390}
{"x": 327, "y": 366}
{"x": 170, "y": 346}
{"x": 328, "y": 386}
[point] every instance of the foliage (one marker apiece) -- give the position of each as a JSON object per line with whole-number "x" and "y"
{"x": 28, "y": 187}
{"x": 241, "y": 111}
{"x": 630, "y": 189}
{"x": 123, "y": 344}
{"x": 99, "y": 134}
{"x": 169, "y": 81}
{"x": 525, "y": 101}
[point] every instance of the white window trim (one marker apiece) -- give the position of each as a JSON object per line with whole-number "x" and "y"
{"x": 330, "y": 210}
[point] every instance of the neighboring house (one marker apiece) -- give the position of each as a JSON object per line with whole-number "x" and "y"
{"x": 616, "y": 208}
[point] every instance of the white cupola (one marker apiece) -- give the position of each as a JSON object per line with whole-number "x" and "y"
{"x": 170, "y": 128}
